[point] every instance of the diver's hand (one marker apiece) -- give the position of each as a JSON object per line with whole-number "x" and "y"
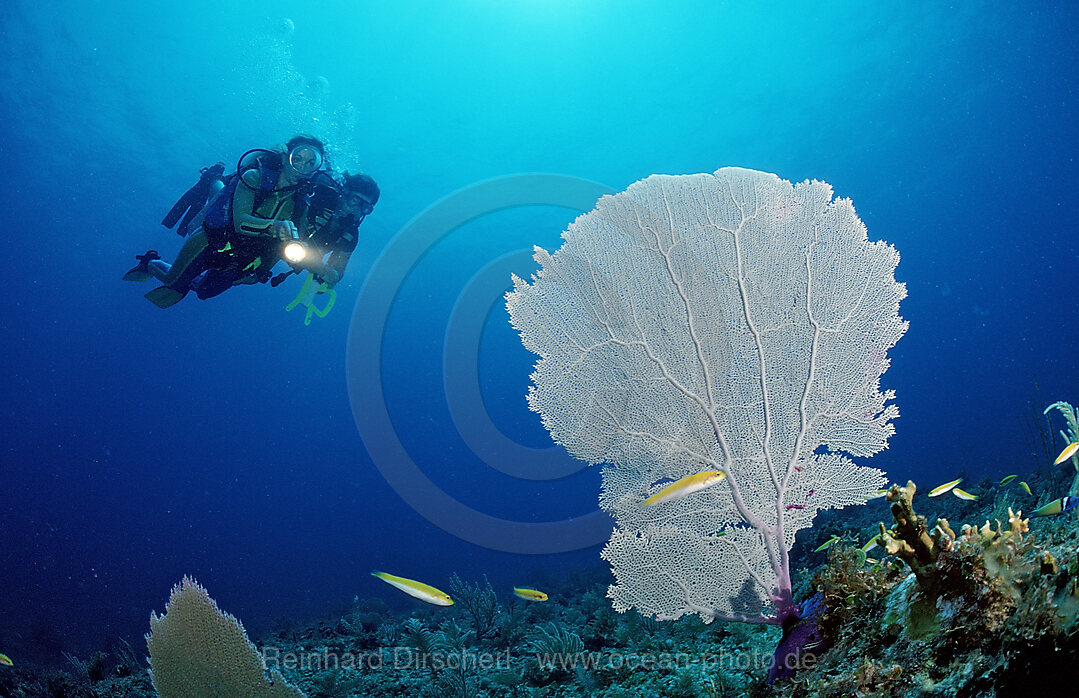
{"x": 284, "y": 230}
{"x": 328, "y": 276}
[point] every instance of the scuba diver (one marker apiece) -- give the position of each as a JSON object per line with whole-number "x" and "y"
{"x": 334, "y": 215}
{"x": 331, "y": 227}
{"x": 244, "y": 228}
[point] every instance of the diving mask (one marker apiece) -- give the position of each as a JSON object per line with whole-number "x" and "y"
{"x": 305, "y": 160}
{"x": 359, "y": 203}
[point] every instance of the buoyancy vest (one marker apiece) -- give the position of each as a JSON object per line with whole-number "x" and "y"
{"x": 218, "y": 223}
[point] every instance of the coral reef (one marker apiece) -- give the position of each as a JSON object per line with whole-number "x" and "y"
{"x": 993, "y": 611}
{"x": 987, "y": 611}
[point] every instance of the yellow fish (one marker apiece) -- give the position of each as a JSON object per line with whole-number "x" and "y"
{"x": 827, "y": 544}
{"x": 529, "y": 594}
{"x": 877, "y": 495}
{"x": 871, "y": 544}
{"x": 1026, "y": 487}
{"x": 962, "y": 494}
{"x": 1067, "y": 453}
{"x": 419, "y": 590}
{"x": 687, "y": 485}
{"x": 6, "y": 660}
{"x": 1008, "y": 479}
{"x": 941, "y": 489}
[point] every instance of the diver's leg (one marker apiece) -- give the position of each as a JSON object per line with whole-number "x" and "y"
{"x": 178, "y": 278}
{"x": 160, "y": 269}
{"x": 172, "y": 292}
{"x": 141, "y": 271}
{"x": 192, "y": 248}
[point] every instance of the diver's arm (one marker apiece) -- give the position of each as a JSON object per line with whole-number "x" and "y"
{"x": 340, "y": 253}
{"x": 330, "y": 271}
{"x": 335, "y": 266}
{"x": 318, "y": 269}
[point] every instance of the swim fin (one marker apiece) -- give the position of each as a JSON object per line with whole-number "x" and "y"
{"x": 164, "y": 297}
{"x": 141, "y": 271}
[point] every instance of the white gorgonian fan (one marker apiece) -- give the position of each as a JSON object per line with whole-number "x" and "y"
{"x": 728, "y": 322}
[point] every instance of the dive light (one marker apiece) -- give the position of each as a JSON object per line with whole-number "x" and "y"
{"x": 295, "y": 251}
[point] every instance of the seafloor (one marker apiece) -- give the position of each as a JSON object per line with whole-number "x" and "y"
{"x": 988, "y": 609}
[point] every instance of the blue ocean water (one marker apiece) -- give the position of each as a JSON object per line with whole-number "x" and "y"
{"x": 219, "y": 438}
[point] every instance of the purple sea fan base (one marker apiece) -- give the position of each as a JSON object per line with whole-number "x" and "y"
{"x": 802, "y": 641}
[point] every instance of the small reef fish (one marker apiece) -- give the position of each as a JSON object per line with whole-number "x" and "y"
{"x": 418, "y": 590}
{"x": 1058, "y": 506}
{"x": 946, "y": 487}
{"x": 687, "y": 485}
{"x": 871, "y": 544}
{"x": 6, "y": 660}
{"x": 827, "y": 544}
{"x": 1008, "y": 479}
{"x": 1026, "y": 487}
{"x": 963, "y": 494}
{"x": 529, "y": 594}
{"x": 877, "y": 495}
{"x": 1067, "y": 453}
